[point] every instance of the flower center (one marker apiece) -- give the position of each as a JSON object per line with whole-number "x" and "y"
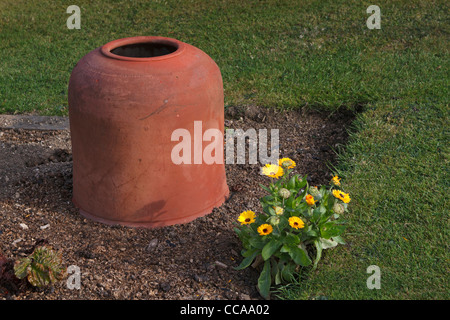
{"x": 247, "y": 220}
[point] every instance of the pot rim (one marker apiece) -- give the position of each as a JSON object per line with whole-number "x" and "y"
{"x": 106, "y": 48}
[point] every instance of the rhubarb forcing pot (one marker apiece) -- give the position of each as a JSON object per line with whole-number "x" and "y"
{"x": 141, "y": 114}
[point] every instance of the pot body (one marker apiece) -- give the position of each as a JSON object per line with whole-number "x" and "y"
{"x": 123, "y": 110}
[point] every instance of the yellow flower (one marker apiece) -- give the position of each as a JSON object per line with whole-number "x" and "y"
{"x": 342, "y": 195}
{"x": 265, "y": 229}
{"x": 296, "y": 222}
{"x": 247, "y": 217}
{"x": 337, "y": 194}
{"x": 278, "y": 210}
{"x": 272, "y": 170}
{"x": 310, "y": 200}
{"x": 346, "y": 198}
{"x": 286, "y": 163}
{"x": 336, "y": 181}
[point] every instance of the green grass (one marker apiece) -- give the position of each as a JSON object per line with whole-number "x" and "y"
{"x": 295, "y": 54}
{"x": 396, "y": 170}
{"x": 284, "y": 54}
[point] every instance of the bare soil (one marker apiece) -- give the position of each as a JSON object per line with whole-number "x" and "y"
{"x": 190, "y": 261}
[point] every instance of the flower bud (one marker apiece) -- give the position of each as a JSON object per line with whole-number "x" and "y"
{"x": 284, "y": 193}
{"x": 278, "y": 210}
{"x": 338, "y": 208}
{"x": 274, "y": 220}
{"x": 314, "y": 192}
{"x": 310, "y": 200}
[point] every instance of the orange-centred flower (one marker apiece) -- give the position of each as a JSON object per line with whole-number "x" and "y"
{"x": 272, "y": 170}
{"x": 265, "y": 229}
{"x": 296, "y": 223}
{"x": 247, "y": 217}
{"x": 345, "y": 197}
{"x": 336, "y": 181}
{"x": 286, "y": 163}
{"x": 310, "y": 200}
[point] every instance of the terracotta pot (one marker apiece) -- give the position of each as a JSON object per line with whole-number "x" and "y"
{"x": 126, "y": 98}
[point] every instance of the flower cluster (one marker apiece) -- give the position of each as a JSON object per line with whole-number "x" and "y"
{"x": 296, "y": 221}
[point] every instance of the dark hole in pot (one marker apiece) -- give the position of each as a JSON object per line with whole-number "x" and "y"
{"x": 144, "y": 50}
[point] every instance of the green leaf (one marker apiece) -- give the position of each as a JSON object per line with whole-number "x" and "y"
{"x": 270, "y": 248}
{"x": 283, "y": 223}
{"x": 249, "y": 252}
{"x": 292, "y": 239}
{"x": 270, "y": 210}
{"x": 267, "y": 200}
{"x": 328, "y": 243}
{"x": 316, "y": 215}
{"x": 331, "y": 229}
{"x": 38, "y": 276}
{"x": 312, "y": 233}
{"x": 265, "y": 188}
{"x": 339, "y": 240}
{"x": 247, "y": 260}
{"x": 297, "y": 254}
{"x": 265, "y": 280}
{"x": 303, "y": 209}
{"x": 300, "y": 257}
{"x": 21, "y": 267}
{"x": 301, "y": 183}
{"x": 276, "y": 272}
{"x": 322, "y": 209}
{"x": 287, "y": 272}
{"x": 285, "y": 248}
{"x": 257, "y": 242}
{"x": 290, "y": 202}
{"x": 292, "y": 182}
{"x": 325, "y": 217}
{"x": 318, "y": 245}
{"x": 329, "y": 201}
{"x": 278, "y": 278}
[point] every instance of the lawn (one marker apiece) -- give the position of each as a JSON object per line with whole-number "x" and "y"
{"x": 287, "y": 55}
{"x": 396, "y": 169}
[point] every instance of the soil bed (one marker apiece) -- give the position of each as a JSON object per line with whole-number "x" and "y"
{"x": 190, "y": 261}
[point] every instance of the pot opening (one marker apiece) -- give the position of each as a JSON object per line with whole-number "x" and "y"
{"x": 145, "y": 50}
